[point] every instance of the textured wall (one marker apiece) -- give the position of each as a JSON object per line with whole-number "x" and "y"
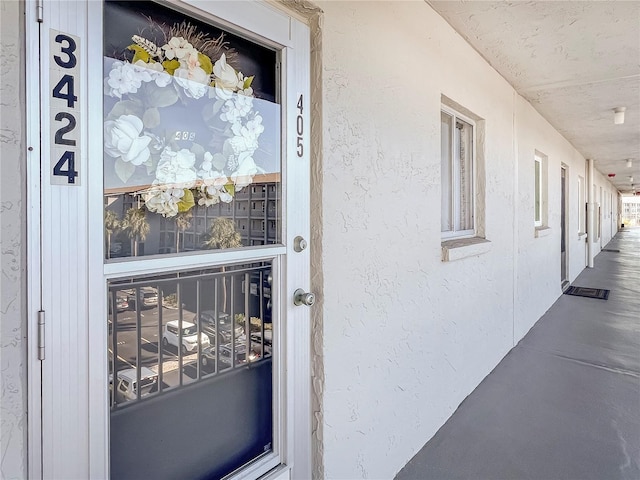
{"x": 13, "y": 419}
{"x": 538, "y": 258}
{"x": 400, "y": 338}
{"x": 407, "y": 337}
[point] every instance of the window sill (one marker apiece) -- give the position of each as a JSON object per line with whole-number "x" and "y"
{"x": 458, "y": 249}
{"x": 542, "y": 231}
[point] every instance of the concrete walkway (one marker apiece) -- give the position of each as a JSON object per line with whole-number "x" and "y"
{"x": 565, "y": 402}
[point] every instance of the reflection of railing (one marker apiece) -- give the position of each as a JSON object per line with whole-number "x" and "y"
{"x": 169, "y": 331}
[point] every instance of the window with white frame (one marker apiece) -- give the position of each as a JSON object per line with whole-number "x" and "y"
{"x": 537, "y": 169}
{"x": 582, "y": 207}
{"x": 540, "y": 194}
{"x": 457, "y": 174}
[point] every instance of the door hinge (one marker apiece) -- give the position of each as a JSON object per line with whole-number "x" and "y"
{"x": 41, "y": 335}
{"x": 40, "y": 10}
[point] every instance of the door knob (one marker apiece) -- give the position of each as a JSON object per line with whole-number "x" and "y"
{"x": 300, "y": 297}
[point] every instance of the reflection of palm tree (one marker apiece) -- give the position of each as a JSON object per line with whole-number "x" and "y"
{"x": 183, "y": 221}
{"x": 136, "y": 225}
{"x": 111, "y": 225}
{"x": 223, "y": 234}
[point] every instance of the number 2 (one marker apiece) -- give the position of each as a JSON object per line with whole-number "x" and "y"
{"x": 62, "y": 131}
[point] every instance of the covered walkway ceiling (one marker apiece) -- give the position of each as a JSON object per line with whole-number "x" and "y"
{"x": 574, "y": 61}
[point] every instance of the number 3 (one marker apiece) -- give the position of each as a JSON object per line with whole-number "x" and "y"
{"x": 68, "y": 51}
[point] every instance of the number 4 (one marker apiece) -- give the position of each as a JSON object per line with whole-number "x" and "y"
{"x": 299, "y": 105}
{"x": 68, "y": 158}
{"x": 66, "y": 80}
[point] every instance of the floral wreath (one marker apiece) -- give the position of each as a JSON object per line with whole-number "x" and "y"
{"x": 182, "y": 69}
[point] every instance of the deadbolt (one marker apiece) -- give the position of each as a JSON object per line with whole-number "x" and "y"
{"x": 300, "y": 297}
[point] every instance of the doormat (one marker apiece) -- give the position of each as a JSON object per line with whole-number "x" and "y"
{"x": 610, "y": 250}
{"x": 599, "y": 293}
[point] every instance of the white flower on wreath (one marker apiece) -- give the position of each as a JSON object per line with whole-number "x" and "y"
{"x": 156, "y": 72}
{"x": 236, "y": 108}
{"x": 177, "y": 168}
{"x": 194, "y": 81}
{"x": 178, "y": 48}
{"x": 225, "y": 76}
{"x": 247, "y": 168}
{"x": 246, "y": 136}
{"x": 123, "y": 78}
{"x": 123, "y": 139}
{"x": 163, "y": 200}
{"x": 212, "y": 186}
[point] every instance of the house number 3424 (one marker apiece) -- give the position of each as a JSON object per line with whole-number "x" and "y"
{"x": 64, "y": 117}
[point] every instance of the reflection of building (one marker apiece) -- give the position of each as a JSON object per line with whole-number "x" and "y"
{"x": 255, "y": 210}
{"x": 631, "y": 211}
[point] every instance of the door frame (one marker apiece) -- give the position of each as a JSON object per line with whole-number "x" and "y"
{"x": 90, "y": 426}
{"x": 564, "y": 223}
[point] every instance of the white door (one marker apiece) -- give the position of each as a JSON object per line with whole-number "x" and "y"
{"x": 172, "y": 217}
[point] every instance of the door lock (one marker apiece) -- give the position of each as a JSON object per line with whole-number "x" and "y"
{"x": 300, "y": 297}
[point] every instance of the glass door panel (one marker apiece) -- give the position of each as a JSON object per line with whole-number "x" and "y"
{"x": 192, "y": 161}
{"x": 191, "y": 135}
{"x": 191, "y": 372}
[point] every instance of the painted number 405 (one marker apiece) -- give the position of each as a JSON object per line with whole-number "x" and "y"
{"x": 64, "y": 116}
{"x": 300, "y": 128}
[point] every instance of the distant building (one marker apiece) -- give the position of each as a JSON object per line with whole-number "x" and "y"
{"x": 631, "y": 211}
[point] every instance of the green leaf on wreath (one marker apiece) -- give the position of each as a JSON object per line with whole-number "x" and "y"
{"x": 151, "y": 118}
{"x": 125, "y": 107}
{"x": 187, "y": 201}
{"x": 124, "y": 170}
{"x": 219, "y": 161}
{"x": 230, "y": 188}
{"x": 205, "y": 63}
{"x": 141, "y": 53}
{"x": 210, "y": 113}
{"x": 171, "y": 66}
{"x": 197, "y": 150}
{"x": 247, "y": 82}
{"x": 160, "y": 97}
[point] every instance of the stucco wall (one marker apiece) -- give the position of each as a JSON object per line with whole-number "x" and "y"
{"x": 538, "y": 257}
{"x": 406, "y": 336}
{"x": 13, "y": 420}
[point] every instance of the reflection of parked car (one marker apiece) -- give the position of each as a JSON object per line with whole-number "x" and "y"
{"x": 208, "y": 326}
{"x": 208, "y": 356}
{"x": 171, "y": 336}
{"x": 121, "y": 303}
{"x": 148, "y": 297}
{"x": 127, "y": 384}
{"x": 256, "y": 340}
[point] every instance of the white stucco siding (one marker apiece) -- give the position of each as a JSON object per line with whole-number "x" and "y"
{"x": 13, "y": 419}
{"x": 407, "y": 337}
{"x": 539, "y": 257}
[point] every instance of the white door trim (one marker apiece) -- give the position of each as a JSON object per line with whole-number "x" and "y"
{"x": 34, "y": 277}
{"x": 72, "y": 439}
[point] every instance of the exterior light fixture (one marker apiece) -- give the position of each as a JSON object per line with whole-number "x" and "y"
{"x": 629, "y": 163}
{"x": 631, "y": 180}
{"x": 618, "y": 117}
